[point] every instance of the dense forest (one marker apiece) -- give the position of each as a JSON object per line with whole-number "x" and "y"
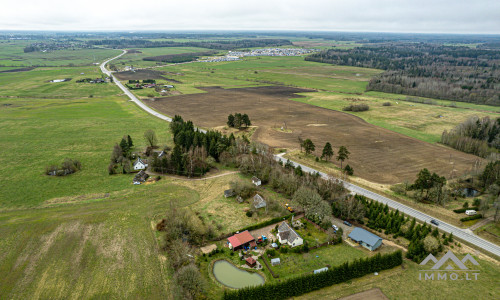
{"x": 426, "y": 70}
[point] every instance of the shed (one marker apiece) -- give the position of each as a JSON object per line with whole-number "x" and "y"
{"x": 141, "y": 176}
{"x": 275, "y": 261}
{"x": 258, "y": 201}
{"x": 240, "y": 240}
{"x": 229, "y": 193}
{"x": 256, "y": 181}
{"x": 365, "y": 238}
{"x": 320, "y": 270}
{"x": 251, "y": 262}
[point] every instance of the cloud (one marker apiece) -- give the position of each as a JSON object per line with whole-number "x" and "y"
{"x": 457, "y": 16}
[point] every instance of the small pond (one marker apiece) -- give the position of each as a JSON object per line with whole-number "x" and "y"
{"x": 229, "y": 275}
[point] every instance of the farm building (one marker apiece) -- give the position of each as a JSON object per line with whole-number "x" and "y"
{"x": 365, "y": 238}
{"x": 240, "y": 240}
{"x": 275, "y": 261}
{"x": 287, "y": 235}
{"x": 258, "y": 201}
{"x": 141, "y": 176}
{"x": 256, "y": 181}
{"x": 251, "y": 262}
{"x": 229, "y": 193}
{"x": 139, "y": 164}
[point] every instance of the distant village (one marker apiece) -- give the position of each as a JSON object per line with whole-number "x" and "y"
{"x": 236, "y": 55}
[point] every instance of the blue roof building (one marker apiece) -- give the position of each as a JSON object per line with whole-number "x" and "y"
{"x": 365, "y": 238}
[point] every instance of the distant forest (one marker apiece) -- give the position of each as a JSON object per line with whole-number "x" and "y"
{"x": 216, "y": 44}
{"x": 426, "y": 70}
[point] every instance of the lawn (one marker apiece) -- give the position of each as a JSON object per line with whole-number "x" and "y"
{"x": 293, "y": 264}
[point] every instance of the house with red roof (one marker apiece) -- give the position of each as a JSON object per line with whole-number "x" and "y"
{"x": 241, "y": 240}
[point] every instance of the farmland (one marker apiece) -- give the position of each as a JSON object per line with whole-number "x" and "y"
{"x": 378, "y": 154}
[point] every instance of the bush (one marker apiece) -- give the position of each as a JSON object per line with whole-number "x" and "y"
{"x": 271, "y": 252}
{"x": 462, "y": 210}
{"x": 356, "y": 107}
{"x": 466, "y": 204}
{"x": 474, "y": 217}
{"x": 387, "y": 104}
{"x": 476, "y": 202}
{"x": 242, "y": 188}
{"x": 349, "y": 170}
{"x": 249, "y": 213}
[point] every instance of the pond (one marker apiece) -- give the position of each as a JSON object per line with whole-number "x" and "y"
{"x": 229, "y": 275}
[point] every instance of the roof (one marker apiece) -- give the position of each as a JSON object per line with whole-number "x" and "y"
{"x": 287, "y": 233}
{"x": 275, "y": 260}
{"x": 139, "y": 160}
{"x": 251, "y": 260}
{"x": 359, "y": 234}
{"x": 258, "y": 201}
{"x": 240, "y": 238}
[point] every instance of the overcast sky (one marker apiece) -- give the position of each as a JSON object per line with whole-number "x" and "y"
{"x": 439, "y": 16}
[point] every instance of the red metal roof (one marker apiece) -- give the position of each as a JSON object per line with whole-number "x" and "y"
{"x": 251, "y": 260}
{"x": 240, "y": 238}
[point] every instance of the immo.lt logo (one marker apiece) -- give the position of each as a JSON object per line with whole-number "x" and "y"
{"x": 449, "y": 267}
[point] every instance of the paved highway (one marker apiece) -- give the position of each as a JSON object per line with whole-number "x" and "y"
{"x": 457, "y": 232}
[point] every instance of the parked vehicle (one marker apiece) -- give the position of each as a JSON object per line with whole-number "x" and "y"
{"x": 470, "y": 212}
{"x": 289, "y": 208}
{"x": 261, "y": 239}
{"x": 435, "y": 222}
{"x": 347, "y": 223}
{"x": 335, "y": 227}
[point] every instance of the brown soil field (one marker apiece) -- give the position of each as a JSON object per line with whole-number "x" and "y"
{"x": 372, "y": 294}
{"x": 377, "y": 154}
{"x": 142, "y": 74}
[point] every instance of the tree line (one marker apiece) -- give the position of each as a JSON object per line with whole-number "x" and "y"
{"x": 307, "y": 283}
{"x": 327, "y": 153}
{"x": 478, "y": 136}
{"x": 238, "y": 120}
{"x": 426, "y": 70}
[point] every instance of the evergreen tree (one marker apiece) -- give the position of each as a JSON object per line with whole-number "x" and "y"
{"x": 129, "y": 141}
{"x": 309, "y": 146}
{"x": 125, "y": 147}
{"x": 327, "y": 151}
{"x": 230, "y": 120}
{"x": 342, "y": 155}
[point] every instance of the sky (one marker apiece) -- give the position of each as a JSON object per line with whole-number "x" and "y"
{"x": 422, "y": 16}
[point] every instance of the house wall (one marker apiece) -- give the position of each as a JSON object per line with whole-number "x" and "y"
{"x": 297, "y": 242}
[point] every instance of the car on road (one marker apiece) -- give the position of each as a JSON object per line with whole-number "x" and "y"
{"x": 347, "y": 223}
{"x": 335, "y": 227}
{"x": 435, "y": 222}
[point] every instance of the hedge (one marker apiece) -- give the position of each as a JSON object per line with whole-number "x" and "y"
{"x": 478, "y": 216}
{"x": 462, "y": 210}
{"x": 307, "y": 283}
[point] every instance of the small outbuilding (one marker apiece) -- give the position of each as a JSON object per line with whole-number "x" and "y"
{"x": 275, "y": 261}
{"x": 251, "y": 262}
{"x": 229, "y": 193}
{"x": 256, "y": 181}
{"x": 365, "y": 238}
{"x": 258, "y": 201}
{"x": 320, "y": 270}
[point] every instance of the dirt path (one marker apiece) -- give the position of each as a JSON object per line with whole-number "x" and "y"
{"x": 481, "y": 223}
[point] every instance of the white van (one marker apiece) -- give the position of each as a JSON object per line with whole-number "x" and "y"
{"x": 470, "y": 212}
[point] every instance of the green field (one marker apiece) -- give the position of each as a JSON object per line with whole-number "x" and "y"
{"x": 12, "y": 54}
{"x": 135, "y": 59}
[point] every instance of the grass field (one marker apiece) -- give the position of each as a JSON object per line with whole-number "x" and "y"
{"x": 36, "y": 133}
{"x": 135, "y": 59}
{"x": 12, "y": 54}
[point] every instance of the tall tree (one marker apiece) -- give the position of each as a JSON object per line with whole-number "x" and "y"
{"x": 309, "y": 146}
{"x": 327, "y": 151}
{"x": 342, "y": 155}
{"x": 129, "y": 141}
{"x": 246, "y": 120}
{"x": 124, "y": 146}
{"x": 150, "y": 137}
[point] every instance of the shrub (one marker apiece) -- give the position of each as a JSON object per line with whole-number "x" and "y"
{"x": 242, "y": 188}
{"x": 356, "y": 107}
{"x": 466, "y": 204}
{"x": 474, "y": 217}
{"x": 249, "y": 213}
{"x": 349, "y": 170}
{"x": 462, "y": 210}
{"x": 387, "y": 104}
{"x": 476, "y": 202}
{"x": 271, "y": 252}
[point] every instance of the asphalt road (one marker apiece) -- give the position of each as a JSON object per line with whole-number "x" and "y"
{"x": 457, "y": 232}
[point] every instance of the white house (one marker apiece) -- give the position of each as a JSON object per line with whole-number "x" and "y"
{"x": 286, "y": 235}
{"x": 139, "y": 164}
{"x": 256, "y": 181}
